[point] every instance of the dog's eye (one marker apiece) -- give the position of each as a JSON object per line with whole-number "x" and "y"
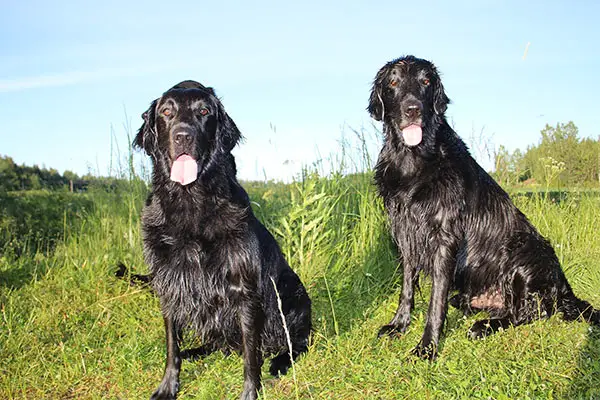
{"x": 167, "y": 112}
{"x": 426, "y": 82}
{"x": 393, "y": 83}
{"x": 203, "y": 111}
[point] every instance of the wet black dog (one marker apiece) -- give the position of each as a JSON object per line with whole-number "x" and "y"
{"x": 453, "y": 221}
{"x": 213, "y": 264}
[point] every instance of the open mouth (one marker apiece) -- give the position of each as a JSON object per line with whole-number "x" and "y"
{"x": 412, "y": 134}
{"x": 184, "y": 169}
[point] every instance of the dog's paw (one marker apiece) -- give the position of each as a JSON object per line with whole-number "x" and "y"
{"x": 426, "y": 351}
{"x": 456, "y": 301}
{"x": 166, "y": 391}
{"x": 249, "y": 394}
{"x": 391, "y": 330}
{"x": 159, "y": 395}
{"x": 121, "y": 270}
{"x": 280, "y": 365}
{"x": 480, "y": 330}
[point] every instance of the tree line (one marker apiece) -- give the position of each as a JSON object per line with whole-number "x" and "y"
{"x": 15, "y": 177}
{"x": 560, "y": 159}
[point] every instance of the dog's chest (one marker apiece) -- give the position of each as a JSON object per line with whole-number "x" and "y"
{"x": 195, "y": 289}
{"x": 424, "y": 213}
{"x": 193, "y": 282}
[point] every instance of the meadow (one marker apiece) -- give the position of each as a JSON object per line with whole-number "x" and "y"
{"x": 70, "y": 330}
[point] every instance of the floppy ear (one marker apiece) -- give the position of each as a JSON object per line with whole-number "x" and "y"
{"x": 376, "y": 107}
{"x": 146, "y": 136}
{"x": 376, "y": 103}
{"x": 440, "y": 100}
{"x": 228, "y": 135}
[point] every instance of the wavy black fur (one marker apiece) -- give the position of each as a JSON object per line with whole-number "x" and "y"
{"x": 453, "y": 221}
{"x": 212, "y": 262}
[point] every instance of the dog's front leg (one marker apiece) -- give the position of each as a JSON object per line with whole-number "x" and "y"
{"x": 444, "y": 263}
{"x": 251, "y": 322}
{"x": 401, "y": 319}
{"x": 170, "y": 383}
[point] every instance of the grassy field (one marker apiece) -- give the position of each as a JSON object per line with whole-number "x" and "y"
{"x": 70, "y": 330}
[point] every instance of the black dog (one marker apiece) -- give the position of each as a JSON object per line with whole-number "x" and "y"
{"x": 453, "y": 221}
{"x": 213, "y": 264}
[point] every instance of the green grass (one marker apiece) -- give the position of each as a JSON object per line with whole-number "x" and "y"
{"x": 69, "y": 330}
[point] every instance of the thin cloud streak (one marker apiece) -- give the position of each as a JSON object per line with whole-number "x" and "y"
{"x": 76, "y": 77}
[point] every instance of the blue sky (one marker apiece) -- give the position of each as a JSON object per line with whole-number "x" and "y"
{"x": 295, "y": 76}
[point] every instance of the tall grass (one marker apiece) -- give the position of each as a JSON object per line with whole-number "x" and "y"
{"x": 72, "y": 331}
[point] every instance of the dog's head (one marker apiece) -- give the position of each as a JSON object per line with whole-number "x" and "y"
{"x": 408, "y": 93}
{"x": 185, "y": 129}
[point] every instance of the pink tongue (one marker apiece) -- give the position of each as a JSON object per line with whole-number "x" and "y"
{"x": 184, "y": 170}
{"x": 412, "y": 135}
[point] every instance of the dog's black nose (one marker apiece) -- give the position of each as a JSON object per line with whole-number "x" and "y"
{"x": 412, "y": 111}
{"x": 183, "y": 137}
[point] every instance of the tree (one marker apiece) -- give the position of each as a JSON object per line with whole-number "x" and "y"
{"x": 9, "y": 179}
{"x": 579, "y": 159}
{"x": 70, "y": 176}
{"x": 510, "y": 169}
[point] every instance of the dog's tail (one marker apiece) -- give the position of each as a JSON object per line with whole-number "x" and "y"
{"x": 123, "y": 272}
{"x": 574, "y": 308}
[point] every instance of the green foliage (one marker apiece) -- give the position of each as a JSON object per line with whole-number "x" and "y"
{"x": 580, "y": 160}
{"x": 36, "y": 220}
{"x": 22, "y": 177}
{"x": 8, "y": 174}
{"x": 15, "y": 177}
{"x": 68, "y": 329}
